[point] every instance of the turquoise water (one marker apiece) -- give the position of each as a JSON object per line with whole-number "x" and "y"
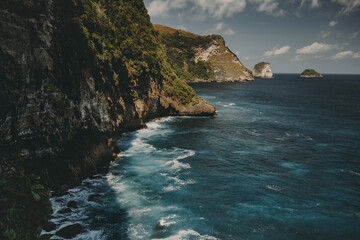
{"x": 280, "y": 161}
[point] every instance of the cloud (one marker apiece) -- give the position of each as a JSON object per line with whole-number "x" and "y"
{"x": 229, "y": 32}
{"x": 161, "y": 8}
{"x": 333, "y": 23}
{"x": 316, "y": 48}
{"x": 354, "y": 35}
{"x": 297, "y": 58}
{"x": 221, "y": 27}
{"x": 277, "y": 51}
{"x": 325, "y": 34}
{"x": 349, "y": 6}
{"x": 270, "y": 7}
{"x": 220, "y": 8}
{"x": 215, "y": 8}
{"x": 346, "y": 54}
{"x": 315, "y": 3}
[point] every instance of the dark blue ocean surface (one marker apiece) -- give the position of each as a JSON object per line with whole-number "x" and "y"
{"x": 280, "y": 161}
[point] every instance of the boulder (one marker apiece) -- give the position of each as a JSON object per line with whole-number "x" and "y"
{"x": 70, "y": 231}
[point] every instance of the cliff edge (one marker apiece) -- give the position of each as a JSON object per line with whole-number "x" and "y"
{"x": 262, "y": 70}
{"x": 202, "y": 58}
{"x": 74, "y": 76}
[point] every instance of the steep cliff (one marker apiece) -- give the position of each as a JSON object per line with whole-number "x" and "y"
{"x": 74, "y": 76}
{"x": 310, "y": 73}
{"x": 202, "y": 58}
{"x": 262, "y": 70}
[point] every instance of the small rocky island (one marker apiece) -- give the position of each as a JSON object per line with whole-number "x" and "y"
{"x": 310, "y": 73}
{"x": 262, "y": 70}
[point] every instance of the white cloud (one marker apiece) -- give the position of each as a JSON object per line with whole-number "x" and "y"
{"x": 229, "y": 32}
{"x": 220, "y": 8}
{"x": 270, "y": 7}
{"x": 161, "y": 8}
{"x": 346, "y": 54}
{"x": 325, "y": 34}
{"x": 354, "y": 35}
{"x": 315, "y": 3}
{"x": 221, "y": 28}
{"x": 316, "y": 48}
{"x": 349, "y": 6}
{"x": 297, "y": 58}
{"x": 215, "y": 8}
{"x": 333, "y": 23}
{"x": 277, "y": 51}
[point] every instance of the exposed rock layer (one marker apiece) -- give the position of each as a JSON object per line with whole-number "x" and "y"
{"x": 224, "y": 65}
{"x": 262, "y": 70}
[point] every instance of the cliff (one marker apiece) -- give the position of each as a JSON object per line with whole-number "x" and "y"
{"x": 74, "y": 76}
{"x": 202, "y": 58}
{"x": 262, "y": 70}
{"x": 310, "y": 73}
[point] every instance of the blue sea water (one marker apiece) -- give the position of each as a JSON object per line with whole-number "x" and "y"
{"x": 280, "y": 161}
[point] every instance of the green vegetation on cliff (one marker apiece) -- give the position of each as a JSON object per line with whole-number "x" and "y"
{"x": 259, "y": 67}
{"x": 24, "y": 201}
{"x": 125, "y": 45}
{"x": 180, "y": 47}
{"x": 92, "y": 59}
{"x": 310, "y": 73}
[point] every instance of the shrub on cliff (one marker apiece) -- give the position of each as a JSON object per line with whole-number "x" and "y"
{"x": 180, "y": 48}
{"x": 24, "y": 201}
{"x": 126, "y": 47}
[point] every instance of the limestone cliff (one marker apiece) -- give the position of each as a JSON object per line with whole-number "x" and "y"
{"x": 262, "y": 70}
{"x": 74, "y": 76}
{"x": 202, "y": 58}
{"x": 310, "y": 73}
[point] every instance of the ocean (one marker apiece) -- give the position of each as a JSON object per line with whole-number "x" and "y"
{"x": 281, "y": 160}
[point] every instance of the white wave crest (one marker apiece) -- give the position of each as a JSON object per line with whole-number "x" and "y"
{"x": 185, "y": 234}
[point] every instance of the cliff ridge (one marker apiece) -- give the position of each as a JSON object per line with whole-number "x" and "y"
{"x": 75, "y": 75}
{"x": 202, "y": 58}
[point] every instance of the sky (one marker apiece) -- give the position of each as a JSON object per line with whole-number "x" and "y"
{"x": 290, "y": 34}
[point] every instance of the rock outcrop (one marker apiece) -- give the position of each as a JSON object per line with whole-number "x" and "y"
{"x": 202, "y": 58}
{"x": 74, "y": 76}
{"x": 69, "y": 90}
{"x": 262, "y": 70}
{"x": 310, "y": 73}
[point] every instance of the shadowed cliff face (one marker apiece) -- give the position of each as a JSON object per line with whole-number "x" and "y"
{"x": 75, "y": 75}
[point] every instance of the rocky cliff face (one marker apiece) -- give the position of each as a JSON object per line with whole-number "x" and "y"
{"x": 202, "y": 58}
{"x": 75, "y": 75}
{"x": 262, "y": 70}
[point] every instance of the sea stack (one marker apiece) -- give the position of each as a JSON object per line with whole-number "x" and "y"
{"x": 262, "y": 70}
{"x": 310, "y": 73}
